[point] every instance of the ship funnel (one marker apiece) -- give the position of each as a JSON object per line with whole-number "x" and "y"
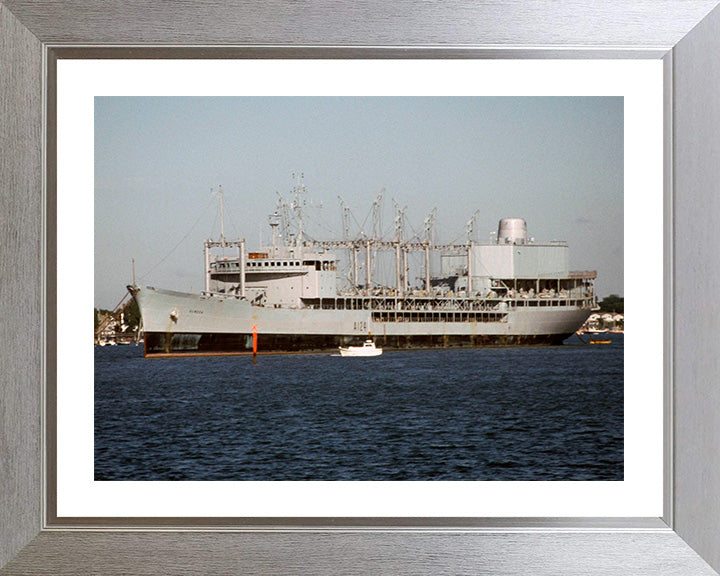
{"x": 512, "y": 231}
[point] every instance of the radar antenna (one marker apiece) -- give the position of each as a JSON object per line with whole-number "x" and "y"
{"x": 283, "y": 212}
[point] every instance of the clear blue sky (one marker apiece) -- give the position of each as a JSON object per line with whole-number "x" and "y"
{"x": 557, "y": 162}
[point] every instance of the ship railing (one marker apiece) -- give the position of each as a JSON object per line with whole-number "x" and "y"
{"x": 449, "y": 304}
{"x": 553, "y": 302}
{"x": 583, "y": 274}
{"x": 441, "y": 316}
{"x": 229, "y": 295}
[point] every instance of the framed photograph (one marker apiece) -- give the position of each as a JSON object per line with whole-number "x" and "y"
{"x": 434, "y": 323}
{"x": 640, "y": 87}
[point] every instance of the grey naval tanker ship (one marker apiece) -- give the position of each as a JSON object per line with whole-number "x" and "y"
{"x": 508, "y": 291}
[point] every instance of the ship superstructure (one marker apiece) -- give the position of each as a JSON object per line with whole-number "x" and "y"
{"x": 511, "y": 290}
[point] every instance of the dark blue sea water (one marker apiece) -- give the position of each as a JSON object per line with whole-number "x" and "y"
{"x": 541, "y": 413}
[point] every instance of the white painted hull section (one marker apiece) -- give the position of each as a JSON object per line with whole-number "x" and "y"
{"x": 165, "y": 311}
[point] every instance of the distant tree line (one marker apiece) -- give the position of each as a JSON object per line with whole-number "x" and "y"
{"x": 612, "y": 303}
{"x": 131, "y": 312}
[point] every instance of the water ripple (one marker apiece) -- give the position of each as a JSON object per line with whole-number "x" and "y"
{"x": 483, "y": 414}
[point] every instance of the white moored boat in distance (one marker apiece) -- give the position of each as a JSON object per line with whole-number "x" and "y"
{"x": 367, "y": 349}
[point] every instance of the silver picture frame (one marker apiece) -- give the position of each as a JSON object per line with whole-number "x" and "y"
{"x": 685, "y": 34}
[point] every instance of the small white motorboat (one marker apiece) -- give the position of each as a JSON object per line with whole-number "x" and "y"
{"x": 367, "y": 349}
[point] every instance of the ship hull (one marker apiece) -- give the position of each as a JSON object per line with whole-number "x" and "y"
{"x": 158, "y": 344}
{"x": 176, "y": 323}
